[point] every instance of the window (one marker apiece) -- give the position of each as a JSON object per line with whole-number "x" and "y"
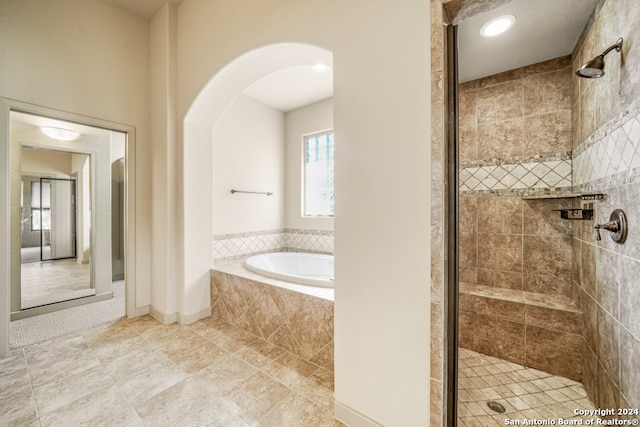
{"x": 318, "y": 174}
{"x": 36, "y": 222}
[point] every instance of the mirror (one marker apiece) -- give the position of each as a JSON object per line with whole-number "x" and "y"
{"x": 67, "y": 212}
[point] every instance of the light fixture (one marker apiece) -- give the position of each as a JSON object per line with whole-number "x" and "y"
{"x": 321, "y": 68}
{"x": 59, "y": 133}
{"x": 497, "y": 25}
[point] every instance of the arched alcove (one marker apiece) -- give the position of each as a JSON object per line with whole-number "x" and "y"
{"x": 197, "y": 147}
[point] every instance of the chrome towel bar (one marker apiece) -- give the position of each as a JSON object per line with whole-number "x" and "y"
{"x": 252, "y": 192}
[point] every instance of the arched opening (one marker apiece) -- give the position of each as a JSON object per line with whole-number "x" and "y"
{"x": 220, "y": 95}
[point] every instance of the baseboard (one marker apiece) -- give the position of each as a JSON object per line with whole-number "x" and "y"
{"x": 194, "y": 317}
{"x": 141, "y": 311}
{"x": 351, "y": 417}
{"x": 162, "y": 317}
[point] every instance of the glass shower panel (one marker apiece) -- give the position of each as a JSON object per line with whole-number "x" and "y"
{"x": 57, "y": 218}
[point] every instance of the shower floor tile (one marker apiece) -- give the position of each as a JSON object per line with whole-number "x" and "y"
{"x": 525, "y": 393}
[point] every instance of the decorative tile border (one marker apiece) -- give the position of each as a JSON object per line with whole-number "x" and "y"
{"x": 517, "y": 175}
{"x": 611, "y": 156}
{"x": 228, "y": 247}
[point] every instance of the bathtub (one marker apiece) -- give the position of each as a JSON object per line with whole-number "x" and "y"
{"x": 296, "y": 267}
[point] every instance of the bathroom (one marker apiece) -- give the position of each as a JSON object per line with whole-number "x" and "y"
{"x": 537, "y": 289}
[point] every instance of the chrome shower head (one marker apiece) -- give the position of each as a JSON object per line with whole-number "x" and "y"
{"x": 595, "y": 68}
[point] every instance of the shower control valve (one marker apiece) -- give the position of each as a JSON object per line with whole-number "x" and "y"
{"x": 617, "y": 226}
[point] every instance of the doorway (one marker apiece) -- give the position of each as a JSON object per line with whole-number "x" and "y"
{"x": 92, "y": 249}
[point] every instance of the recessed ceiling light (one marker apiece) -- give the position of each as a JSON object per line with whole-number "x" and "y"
{"x": 60, "y": 134}
{"x": 321, "y": 68}
{"x": 497, "y": 25}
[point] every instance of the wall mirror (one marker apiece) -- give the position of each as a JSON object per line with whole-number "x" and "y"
{"x": 67, "y": 212}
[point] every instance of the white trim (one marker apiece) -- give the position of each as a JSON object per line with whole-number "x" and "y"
{"x": 185, "y": 319}
{"x": 6, "y": 106}
{"x": 351, "y": 417}
{"x": 162, "y": 317}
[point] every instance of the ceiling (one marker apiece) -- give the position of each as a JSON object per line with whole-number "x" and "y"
{"x": 145, "y": 9}
{"x": 544, "y": 29}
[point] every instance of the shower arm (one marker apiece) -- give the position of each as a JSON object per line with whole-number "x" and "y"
{"x": 617, "y": 47}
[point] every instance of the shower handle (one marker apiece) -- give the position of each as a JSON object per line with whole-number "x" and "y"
{"x": 617, "y": 226}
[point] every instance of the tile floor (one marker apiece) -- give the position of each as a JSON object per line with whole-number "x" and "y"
{"x": 525, "y": 393}
{"x": 46, "y": 282}
{"x": 137, "y": 372}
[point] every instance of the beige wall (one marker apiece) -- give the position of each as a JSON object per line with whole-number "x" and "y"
{"x": 90, "y": 58}
{"x": 248, "y": 158}
{"x": 605, "y": 156}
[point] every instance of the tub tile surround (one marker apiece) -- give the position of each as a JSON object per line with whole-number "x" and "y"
{"x": 284, "y": 318}
{"x": 229, "y": 247}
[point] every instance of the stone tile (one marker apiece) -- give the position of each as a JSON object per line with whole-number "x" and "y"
{"x": 467, "y": 116}
{"x": 466, "y": 332}
{"x": 234, "y": 340}
{"x": 500, "y": 309}
{"x": 501, "y": 215}
{"x": 550, "y": 285}
{"x": 588, "y": 272}
{"x": 102, "y": 407}
{"x": 556, "y": 352}
{"x": 187, "y": 403}
{"x": 296, "y": 410}
{"x": 192, "y": 359}
{"x": 500, "y": 338}
{"x": 18, "y": 408}
{"x": 590, "y": 318}
{"x": 500, "y": 252}
{"x": 290, "y": 369}
{"x": 497, "y": 140}
{"x": 468, "y": 143}
{"x": 318, "y": 388}
{"x": 224, "y": 375}
{"x": 499, "y": 102}
{"x": 500, "y": 279}
{"x": 547, "y": 66}
{"x": 548, "y": 92}
{"x": 608, "y": 346}
{"x": 504, "y": 77}
{"x": 259, "y": 353}
{"x": 607, "y": 280}
{"x": 468, "y": 249}
{"x": 541, "y": 218}
{"x": 325, "y": 357}
{"x": 557, "y": 320}
{"x": 255, "y": 396}
{"x": 608, "y": 393}
{"x": 629, "y": 356}
{"x": 54, "y": 394}
{"x": 630, "y": 295}
{"x": 547, "y": 255}
{"x": 468, "y": 216}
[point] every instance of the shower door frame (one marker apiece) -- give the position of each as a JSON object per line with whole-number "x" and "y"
{"x": 74, "y": 213}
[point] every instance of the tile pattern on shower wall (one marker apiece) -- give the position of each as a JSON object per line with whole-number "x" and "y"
{"x": 299, "y": 323}
{"x": 227, "y": 247}
{"x": 610, "y": 156}
{"x": 519, "y": 176}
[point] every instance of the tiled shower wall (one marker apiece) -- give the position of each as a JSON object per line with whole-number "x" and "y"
{"x": 515, "y": 141}
{"x": 227, "y": 247}
{"x": 606, "y": 156}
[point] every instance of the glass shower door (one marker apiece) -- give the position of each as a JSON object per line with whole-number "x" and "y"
{"x": 57, "y": 218}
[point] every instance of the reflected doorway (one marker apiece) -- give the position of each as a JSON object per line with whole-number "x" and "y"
{"x": 54, "y": 263}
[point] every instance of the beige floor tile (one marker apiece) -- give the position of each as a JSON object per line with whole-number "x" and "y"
{"x": 255, "y": 396}
{"x": 290, "y": 369}
{"x": 296, "y": 411}
{"x": 319, "y": 388}
{"x": 259, "y": 353}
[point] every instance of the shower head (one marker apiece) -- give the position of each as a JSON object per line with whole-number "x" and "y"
{"x": 595, "y": 68}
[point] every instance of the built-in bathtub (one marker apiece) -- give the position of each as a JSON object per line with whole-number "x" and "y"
{"x": 295, "y": 267}
{"x": 297, "y": 317}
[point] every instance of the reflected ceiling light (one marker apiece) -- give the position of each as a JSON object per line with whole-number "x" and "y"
{"x": 60, "y": 134}
{"x": 497, "y": 25}
{"x": 321, "y": 68}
